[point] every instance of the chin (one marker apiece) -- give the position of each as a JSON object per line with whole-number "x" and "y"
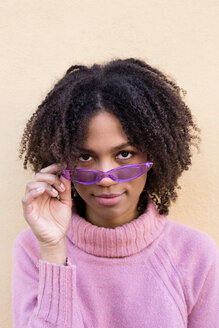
{"x": 110, "y": 213}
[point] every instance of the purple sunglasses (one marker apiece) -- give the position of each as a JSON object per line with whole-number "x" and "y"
{"x": 120, "y": 174}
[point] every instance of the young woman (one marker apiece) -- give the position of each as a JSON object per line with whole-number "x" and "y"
{"x": 108, "y": 145}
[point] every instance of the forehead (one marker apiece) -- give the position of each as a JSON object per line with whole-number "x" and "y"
{"x": 104, "y": 129}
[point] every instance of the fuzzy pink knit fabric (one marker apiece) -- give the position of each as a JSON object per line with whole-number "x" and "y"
{"x": 149, "y": 273}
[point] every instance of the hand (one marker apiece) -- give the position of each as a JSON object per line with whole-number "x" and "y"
{"x": 48, "y": 216}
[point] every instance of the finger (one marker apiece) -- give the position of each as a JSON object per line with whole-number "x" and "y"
{"x": 31, "y": 186}
{"x": 54, "y": 168}
{"x": 51, "y": 179}
{"x": 65, "y": 196}
{"x": 34, "y": 185}
{"x": 28, "y": 199}
{"x": 30, "y": 196}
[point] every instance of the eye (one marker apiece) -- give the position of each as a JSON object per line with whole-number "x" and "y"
{"x": 85, "y": 158}
{"x": 125, "y": 154}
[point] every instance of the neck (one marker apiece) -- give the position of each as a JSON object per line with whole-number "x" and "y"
{"x": 122, "y": 241}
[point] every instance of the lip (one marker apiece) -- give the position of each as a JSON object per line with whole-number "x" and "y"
{"x": 107, "y": 195}
{"x": 108, "y": 199}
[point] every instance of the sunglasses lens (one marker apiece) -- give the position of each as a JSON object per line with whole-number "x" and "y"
{"x": 84, "y": 176}
{"x": 127, "y": 173}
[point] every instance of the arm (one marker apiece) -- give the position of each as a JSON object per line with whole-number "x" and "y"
{"x": 54, "y": 254}
{"x": 44, "y": 293}
{"x": 44, "y": 287}
{"x": 205, "y": 312}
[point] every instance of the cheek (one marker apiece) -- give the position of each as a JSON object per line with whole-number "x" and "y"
{"x": 82, "y": 190}
{"x": 137, "y": 185}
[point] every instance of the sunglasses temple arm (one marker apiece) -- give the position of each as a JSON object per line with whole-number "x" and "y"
{"x": 66, "y": 174}
{"x": 147, "y": 167}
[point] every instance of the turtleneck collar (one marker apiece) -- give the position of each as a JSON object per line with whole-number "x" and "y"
{"x": 121, "y": 241}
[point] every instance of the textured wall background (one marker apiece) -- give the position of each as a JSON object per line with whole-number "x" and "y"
{"x": 41, "y": 39}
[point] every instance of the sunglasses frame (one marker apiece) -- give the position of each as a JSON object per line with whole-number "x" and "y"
{"x": 145, "y": 167}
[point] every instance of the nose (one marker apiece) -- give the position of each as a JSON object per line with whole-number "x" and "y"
{"x": 106, "y": 181}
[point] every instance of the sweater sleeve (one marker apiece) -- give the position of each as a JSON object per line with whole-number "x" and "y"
{"x": 43, "y": 293}
{"x": 205, "y": 310}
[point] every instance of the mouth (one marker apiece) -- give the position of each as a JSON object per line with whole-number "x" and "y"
{"x": 108, "y": 199}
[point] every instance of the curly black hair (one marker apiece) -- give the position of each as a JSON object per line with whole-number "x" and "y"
{"x": 149, "y": 106}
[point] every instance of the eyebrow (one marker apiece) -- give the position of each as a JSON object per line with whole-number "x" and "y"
{"x": 113, "y": 149}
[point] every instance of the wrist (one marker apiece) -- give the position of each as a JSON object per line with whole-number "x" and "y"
{"x": 56, "y": 254}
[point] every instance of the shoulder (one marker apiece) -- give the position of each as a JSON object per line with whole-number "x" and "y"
{"x": 191, "y": 251}
{"x": 26, "y": 245}
{"x": 25, "y": 237}
{"x": 189, "y": 241}
{"x": 194, "y": 255}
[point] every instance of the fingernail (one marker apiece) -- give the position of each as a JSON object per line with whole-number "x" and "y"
{"x": 39, "y": 189}
{"x": 62, "y": 186}
{"x": 54, "y": 191}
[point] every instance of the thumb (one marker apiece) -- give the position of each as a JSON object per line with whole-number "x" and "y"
{"x": 65, "y": 196}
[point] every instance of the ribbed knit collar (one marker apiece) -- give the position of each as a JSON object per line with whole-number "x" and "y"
{"x": 121, "y": 241}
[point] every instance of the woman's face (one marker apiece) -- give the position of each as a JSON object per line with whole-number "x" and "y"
{"x": 109, "y": 203}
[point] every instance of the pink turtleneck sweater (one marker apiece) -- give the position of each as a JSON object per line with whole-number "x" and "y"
{"x": 149, "y": 273}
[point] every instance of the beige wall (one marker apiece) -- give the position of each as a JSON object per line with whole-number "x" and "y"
{"x": 40, "y": 39}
